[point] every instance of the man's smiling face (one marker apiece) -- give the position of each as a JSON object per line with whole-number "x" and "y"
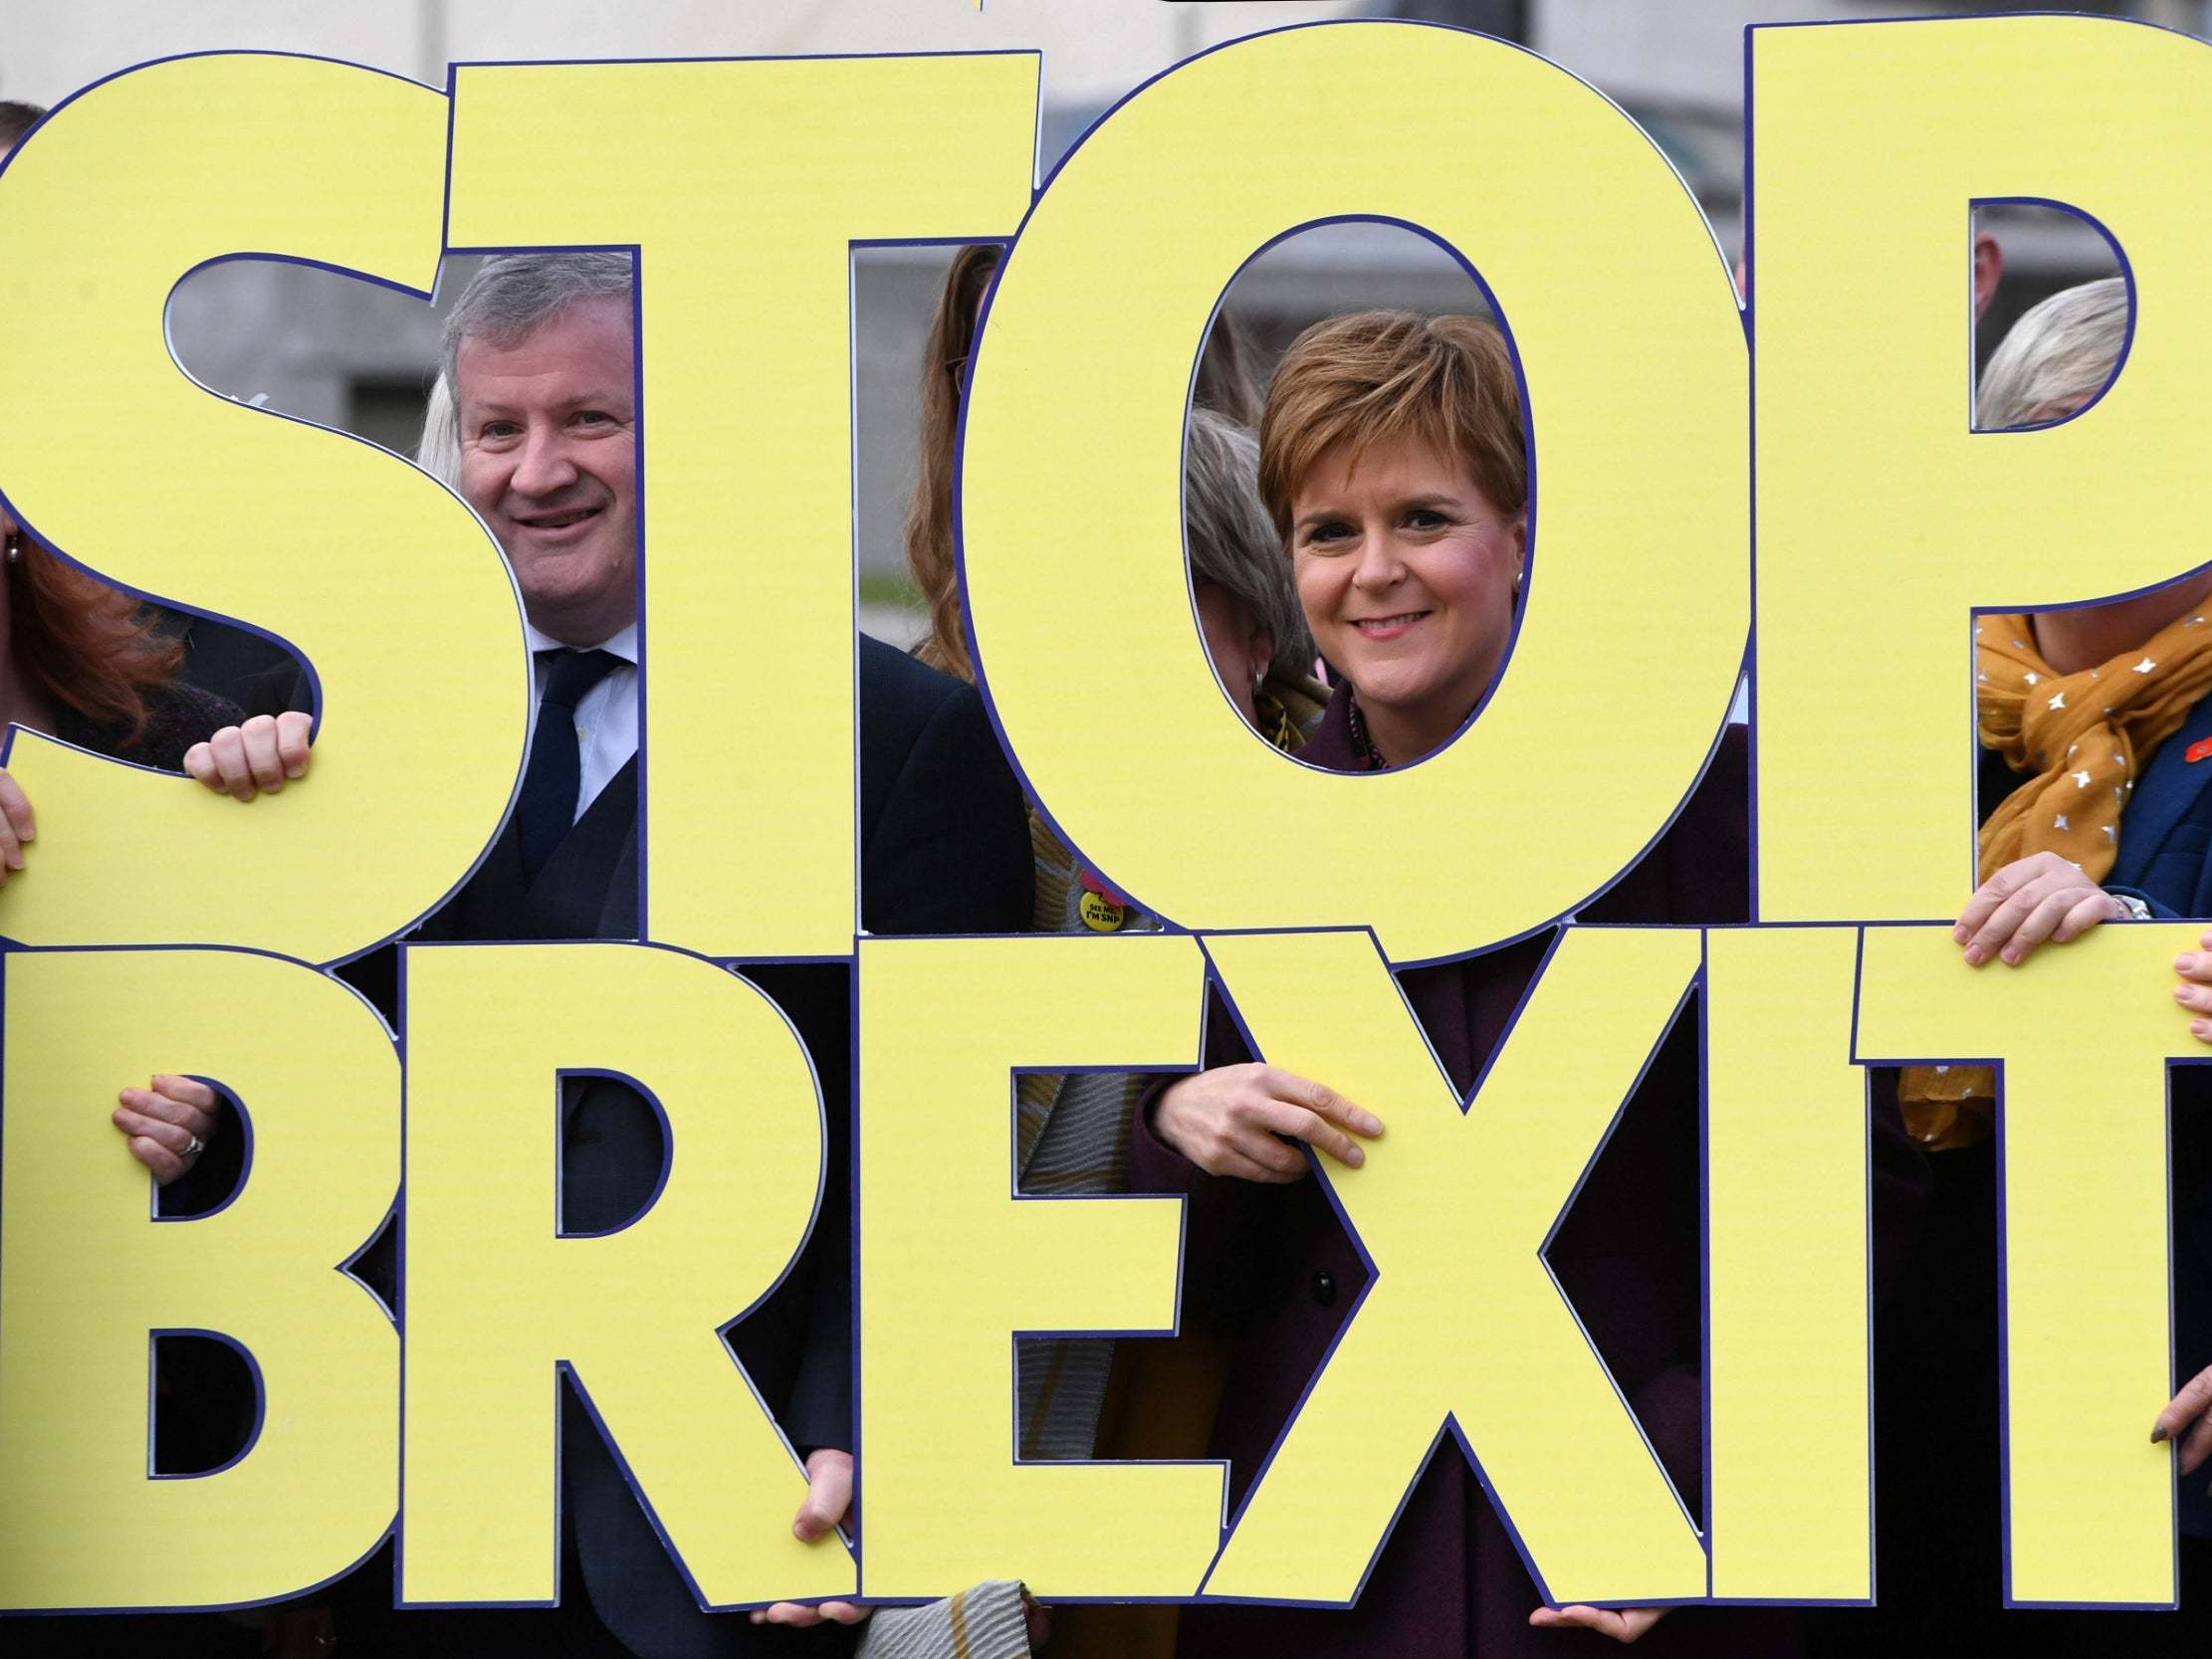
{"x": 548, "y": 458}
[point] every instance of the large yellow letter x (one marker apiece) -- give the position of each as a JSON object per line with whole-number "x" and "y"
{"x": 1463, "y": 1320}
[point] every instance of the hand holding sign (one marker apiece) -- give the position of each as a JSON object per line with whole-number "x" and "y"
{"x": 2194, "y": 992}
{"x": 2188, "y": 1418}
{"x": 254, "y": 758}
{"x": 1623, "y": 1624}
{"x": 1238, "y": 1120}
{"x": 2041, "y": 897}
{"x": 17, "y": 826}
{"x": 169, "y": 1123}
{"x": 829, "y": 1504}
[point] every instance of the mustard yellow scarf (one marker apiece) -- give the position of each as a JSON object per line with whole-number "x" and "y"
{"x": 2082, "y": 738}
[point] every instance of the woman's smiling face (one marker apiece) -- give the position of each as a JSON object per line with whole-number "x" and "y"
{"x": 1407, "y": 572}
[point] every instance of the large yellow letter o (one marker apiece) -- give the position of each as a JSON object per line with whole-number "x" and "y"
{"x": 1639, "y": 589}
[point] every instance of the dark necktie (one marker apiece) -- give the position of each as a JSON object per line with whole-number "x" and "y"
{"x": 548, "y": 806}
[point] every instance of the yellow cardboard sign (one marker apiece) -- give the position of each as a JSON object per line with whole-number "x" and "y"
{"x": 161, "y": 928}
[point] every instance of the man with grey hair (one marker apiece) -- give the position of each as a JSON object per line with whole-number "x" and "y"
{"x": 541, "y": 363}
{"x": 538, "y": 350}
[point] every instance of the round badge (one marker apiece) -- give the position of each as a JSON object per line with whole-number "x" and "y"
{"x": 1100, "y": 913}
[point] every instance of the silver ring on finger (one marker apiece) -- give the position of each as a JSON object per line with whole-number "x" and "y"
{"x": 192, "y": 1148}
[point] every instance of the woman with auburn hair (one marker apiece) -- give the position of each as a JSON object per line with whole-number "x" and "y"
{"x": 80, "y": 662}
{"x": 83, "y": 662}
{"x": 1223, "y": 385}
{"x": 85, "y": 666}
{"x": 1394, "y": 465}
{"x": 929, "y": 516}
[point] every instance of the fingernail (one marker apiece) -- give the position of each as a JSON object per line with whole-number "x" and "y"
{"x": 1974, "y": 955}
{"x": 1354, "y": 1156}
{"x": 1959, "y": 934}
{"x": 2201, "y": 1028}
{"x": 295, "y": 771}
{"x": 2010, "y": 954}
{"x": 2184, "y": 964}
{"x": 2157, "y": 1433}
{"x": 1370, "y": 1123}
{"x": 2181, "y": 993}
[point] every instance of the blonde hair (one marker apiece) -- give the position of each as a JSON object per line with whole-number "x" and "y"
{"x": 438, "y": 450}
{"x": 2055, "y": 357}
{"x": 1370, "y": 378}
{"x": 1227, "y": 537}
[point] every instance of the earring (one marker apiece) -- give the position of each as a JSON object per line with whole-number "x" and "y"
{"x": 15, "y": 549}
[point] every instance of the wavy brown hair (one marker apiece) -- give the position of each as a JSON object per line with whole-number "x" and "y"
{"x": 16, "y": 119}
{"x": 1368, "y": 377}
{"x": 929, "y": 516}
{"x": 87, "y": 644}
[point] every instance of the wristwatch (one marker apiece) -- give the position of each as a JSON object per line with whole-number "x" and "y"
{"x": 2133, "y": 908}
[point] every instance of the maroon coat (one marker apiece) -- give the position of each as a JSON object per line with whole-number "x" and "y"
{"x": 1272, "y": 1266}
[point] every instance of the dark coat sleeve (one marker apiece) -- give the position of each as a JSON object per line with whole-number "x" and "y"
{"x": 1224, "y": 1218}
{"x": 241, "y": 664}
{"x": 947, "y": 848}
{"x": 177, "y": 715}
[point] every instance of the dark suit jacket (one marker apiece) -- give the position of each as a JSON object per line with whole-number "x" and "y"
{"x": 1271, "y": 1266}
{"x": 177, "y": 715}
{"x": 944, "y": 848}
{"x": 236, "y": 664}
